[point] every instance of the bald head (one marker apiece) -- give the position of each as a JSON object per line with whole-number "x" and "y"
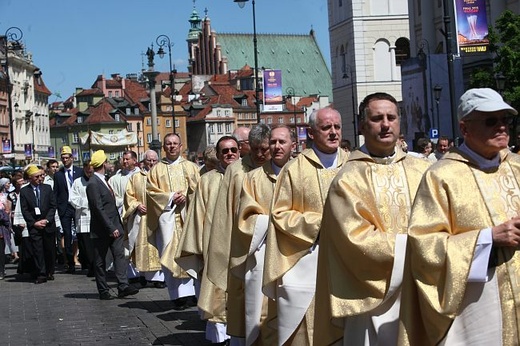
{"x": 242, "y": 135}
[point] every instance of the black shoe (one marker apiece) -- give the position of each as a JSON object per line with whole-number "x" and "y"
{"x": 159, "y": 284}
{"x": 128, "y": 291}
{"x": 179, "y": 304}
{"x": 191, "y": 301}
{"x": 143, "y": 281}
{"x": 50, "y": 277}
{"x": 106, "y": 296}
{"x": 70, "y": 270}
{"x": 40, "y": 280}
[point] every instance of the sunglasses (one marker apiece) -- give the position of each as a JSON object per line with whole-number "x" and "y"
{"x": 234, "y": 150}
{"x": 493, "y": 121}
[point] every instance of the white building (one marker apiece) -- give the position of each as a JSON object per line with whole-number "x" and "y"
{"x": 368, "y": 41}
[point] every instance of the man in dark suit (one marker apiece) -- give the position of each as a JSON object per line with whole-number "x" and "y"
{"x": 38, "y": 205}
{"x": 106, "y": 231}
{"x": 63, "y": 180}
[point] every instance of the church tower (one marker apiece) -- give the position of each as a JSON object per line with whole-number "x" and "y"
{"x": 193, "y": 36}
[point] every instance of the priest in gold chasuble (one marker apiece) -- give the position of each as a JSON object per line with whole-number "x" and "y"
{"x": 363, "y": 234}
{"x": 145, "y": 252}
{"x": 292, "y": 241}
{"x": 463, "y": 286}
{"x": 248, "y": 240}
{"x": 171, "y": 183}
{"x": 222, "y": 223}
{"x": 192, "y": 252}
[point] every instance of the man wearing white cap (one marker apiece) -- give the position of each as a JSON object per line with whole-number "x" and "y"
{"x": 463, "y": 282}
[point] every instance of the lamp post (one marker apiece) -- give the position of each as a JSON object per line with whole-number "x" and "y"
{"x": 450, "y": 41}
{"x": 291, "y": 95}
{"x": 437, "y": 90}
{"x": 155, "y": 144}
{"x": 501, "y": 82}
{"x": 163, "y": 40}
{"x": 13, "y": 35}
{"x": 241, "y": 4}
{"x": 348, "y": 74}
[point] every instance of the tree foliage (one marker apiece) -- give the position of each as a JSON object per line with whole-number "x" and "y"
{"x": 504, "y": 41}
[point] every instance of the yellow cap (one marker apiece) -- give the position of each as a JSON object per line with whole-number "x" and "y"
{"x": 66, "y": 150}
{"x": 98, "y": 159}
{"x": 32, "y": 170}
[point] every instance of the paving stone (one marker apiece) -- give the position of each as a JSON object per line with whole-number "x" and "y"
{"x": 67, "y": 311}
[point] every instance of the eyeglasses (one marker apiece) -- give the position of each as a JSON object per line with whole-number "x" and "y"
{"x": 234, "y": 150}
{"x": 493, "y": 121}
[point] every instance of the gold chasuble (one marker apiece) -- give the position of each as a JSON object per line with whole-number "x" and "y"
{"x": 292, "y": 243}
{"x": 193, "y": 250}
{"x": 455, "y": 201}
{"x": 246, "y": 303}
{"x": 222, "y": 223}
{"x": 164, "y": 179}
{"x": 146, "y": 254}
{"x": 358, "y": 281}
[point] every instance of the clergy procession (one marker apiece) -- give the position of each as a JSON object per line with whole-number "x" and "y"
{"x": 324, "y": 247}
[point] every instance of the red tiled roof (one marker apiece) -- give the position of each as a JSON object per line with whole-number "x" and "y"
{"x": 40, "y": 87}
{"x": 91, "y": 92}
{"x": 100, "y": 113}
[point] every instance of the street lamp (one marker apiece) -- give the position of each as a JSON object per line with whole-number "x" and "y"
{"x": 13, "y": 35}
{"x": 501, "y": 82}
{"x": 348, "y": 69}
{"x": 155, "y": 144}
{"x": 437, "y": 90}
{"x": 291, "y": 95}
{"x": 241, "y": 4}
{"x": 163, "y": 40}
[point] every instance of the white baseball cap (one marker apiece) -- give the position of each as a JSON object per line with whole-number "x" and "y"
{"x": 483, "y": 100}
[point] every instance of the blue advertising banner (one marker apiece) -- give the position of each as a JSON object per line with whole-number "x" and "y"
{"x": 75, "y": 154}
{"x": 51, "y": 152}
{"x": 302, "y": 133}
{"x": 472, "y": 26}
{"x": 273, "y": 98}
{"x": 6, "y": 146}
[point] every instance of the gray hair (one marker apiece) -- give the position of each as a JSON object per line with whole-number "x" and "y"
{"x": 313, "y": 118}
{"x": 258, "y": 134}
{"x": 150, "y": 152}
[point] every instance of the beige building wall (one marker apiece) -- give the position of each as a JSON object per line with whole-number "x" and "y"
{"x": 363, "y": 36}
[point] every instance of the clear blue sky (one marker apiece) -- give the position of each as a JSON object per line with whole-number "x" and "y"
{"x": 75, "y": 41}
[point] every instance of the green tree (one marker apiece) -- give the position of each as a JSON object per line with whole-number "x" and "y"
{"x": 504, "y": 41}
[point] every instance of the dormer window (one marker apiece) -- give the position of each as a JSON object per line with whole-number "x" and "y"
{"x": 80, "y": 120}
{"x": 116, "y": 116}
{"x": 244, "y": 102}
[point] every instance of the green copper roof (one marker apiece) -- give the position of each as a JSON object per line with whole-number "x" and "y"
{"x": 298, "y": 56}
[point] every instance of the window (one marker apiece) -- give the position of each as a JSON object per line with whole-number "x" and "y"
{"x": 402, "y": 50}
{"x": 116, "y": 117}
{"x": 117, "y": 93}
{"x": 227, "y": 112}
{"x": 79, "y": 120}
{"x": 128, "y": 110}
{"x": 148, "y": 121}
{"x": 139, "y": 142}
{"x": 228, "y": 128}
{"x": 129, "y": 127}
{"x": 75, "y": 137}
{"x": 292, "y": 120}
{"x": 149, "y": 138}
{"x": 168, "y": 123}
{"x": 383, "y": 66}
{"x": 177, "y": 123}
{"x": 219, "y": 113}
{"x": 110, "y": 94}
{"x": 244, "y": 102}
{"x": 110, "y": 132}
{"x": 63, "y": 140}
{"x": 113, "y": 156}
{"x": 269, "y": 120}
{"x": 280, "y": 120}
{"x": 136, "y": 110}
{"x": 219, "y": 128}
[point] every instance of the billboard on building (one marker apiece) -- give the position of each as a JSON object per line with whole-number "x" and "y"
{"x": 6, "y": 146}
{"x": 273, "y": 98}
{"x": 51, "y": 152}
{"x": 471, "y": 26}
{"x": 28, "y": 149}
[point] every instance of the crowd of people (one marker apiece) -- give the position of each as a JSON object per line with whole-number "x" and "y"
{"x": 371, "y": 246}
